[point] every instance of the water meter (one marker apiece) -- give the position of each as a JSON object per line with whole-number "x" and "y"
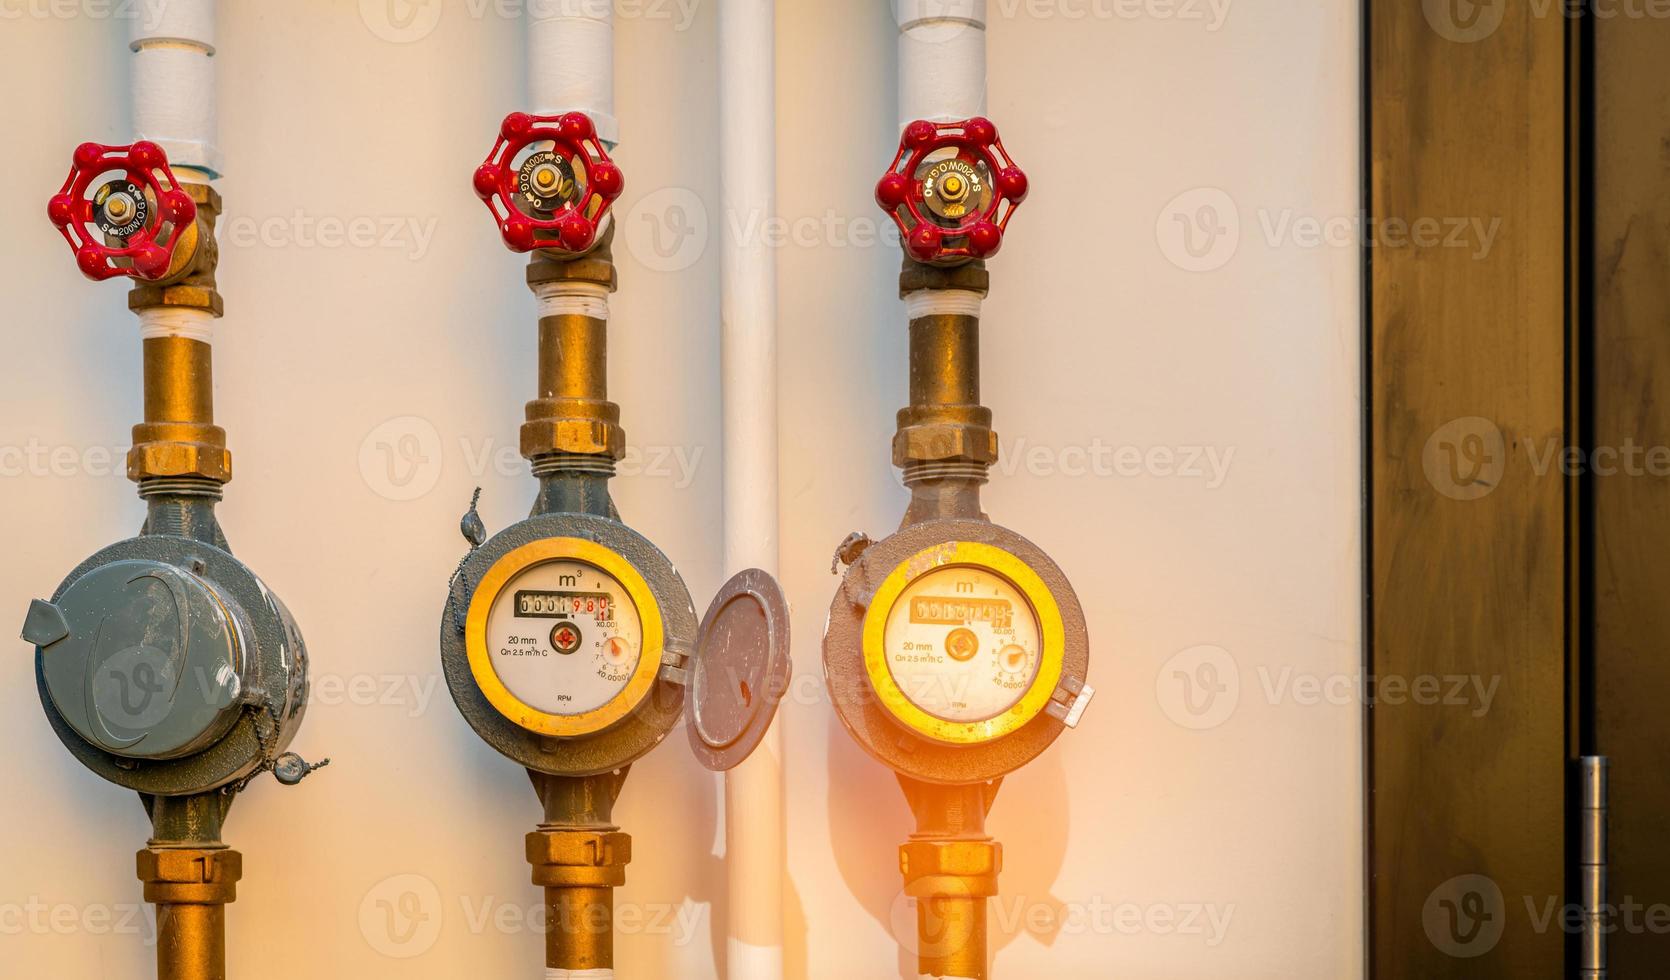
{"x": 569, "y": 641}
{"x": 164, "y": 664}
{"x": 956, "y": 649}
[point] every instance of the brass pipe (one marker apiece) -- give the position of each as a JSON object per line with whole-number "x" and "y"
{"x": 573, "y": 357}
{"x": 573, "y": 415}
{"x": 950, "y": 866}
{"x": 178, "y": 438}
{"x": 580, "y": 928}
{"x": 191, "y": 888}
{"x": 191, "y": 942}
{"x": 951, "y": 932}
{"x": 179, "y": 381}
{"x": 945, "y": 361}
{"x": 945, "y": 442}
{"x": 579, "y": 857}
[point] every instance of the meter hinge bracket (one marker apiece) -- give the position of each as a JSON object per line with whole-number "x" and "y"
{"x": 1068, "y": 702}
{"x": 675, "y": 664}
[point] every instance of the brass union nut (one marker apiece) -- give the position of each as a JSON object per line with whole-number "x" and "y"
{"x": 579, "y": 858}
{"x": 967, "y": 868}
{"x": 579, "y": 848}
{"x": 147, "y": 295}
{"x": 190, "y": 876}
{"x": 929, "y": 442}
{"x": 914, "y": 276}
{"x": 153, "y": 459}
{"x": 582, "y": 437}
{"x": 596, "y": 265}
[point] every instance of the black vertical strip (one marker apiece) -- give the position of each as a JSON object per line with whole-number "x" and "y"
{"x": 1366, "y": 529}
{"x": 1580, "y": 510}
{"x": 1585, "y": 367}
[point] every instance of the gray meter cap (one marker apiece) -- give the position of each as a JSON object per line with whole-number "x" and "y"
{"x": 142, "y": 658}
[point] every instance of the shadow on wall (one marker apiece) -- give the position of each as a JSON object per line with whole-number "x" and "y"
{"x": 869, "y": 819}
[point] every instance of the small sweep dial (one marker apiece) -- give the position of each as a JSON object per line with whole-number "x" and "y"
{"x": 564, "y": 637}
{"x": 962, "y": 643}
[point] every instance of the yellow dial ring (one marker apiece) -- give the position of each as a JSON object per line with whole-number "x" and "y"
{"x": 481, "y": 666}
{"x": 1051, "y": 631}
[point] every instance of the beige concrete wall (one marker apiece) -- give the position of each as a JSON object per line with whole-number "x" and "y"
{"x": 1179, "y": 417}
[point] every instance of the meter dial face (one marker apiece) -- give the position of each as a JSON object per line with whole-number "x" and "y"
{"x": 962, "y": 643}
{"x": 564, "y": 637}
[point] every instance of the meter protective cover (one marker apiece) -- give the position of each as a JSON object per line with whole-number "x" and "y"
{"x": 167, "y": 667}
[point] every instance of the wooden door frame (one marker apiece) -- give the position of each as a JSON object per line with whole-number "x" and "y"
{"x": 1473, "y": 539}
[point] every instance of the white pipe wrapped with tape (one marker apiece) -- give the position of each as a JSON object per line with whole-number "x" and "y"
{"x": 942, "y": 59}
{"x": 571, "y": 61}
{"x": 754, "y": 857}
{"x": 174, "y": 105}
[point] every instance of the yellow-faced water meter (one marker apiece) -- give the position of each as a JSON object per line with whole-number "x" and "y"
{"x": 956, "y": 650}
{"x": 955, "y": 642}
{"x": 569, "y": 641}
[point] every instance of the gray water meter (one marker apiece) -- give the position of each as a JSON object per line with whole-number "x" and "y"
{"x": 168, "y": 667}
{"x": 570, "y": 644}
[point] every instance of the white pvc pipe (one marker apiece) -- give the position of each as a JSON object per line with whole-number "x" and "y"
{"x": 571, "y": 61}
{"x": 942, "y": 59}
{"x": 174, "y": 105}
{"x": 754, "y": 856}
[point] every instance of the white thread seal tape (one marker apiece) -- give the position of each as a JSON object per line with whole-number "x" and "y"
{"x": 553, "y": 973}
{"x": 176, "y": 321}
{"x": 564, "y": 298}
{"x": 942, "y": 302}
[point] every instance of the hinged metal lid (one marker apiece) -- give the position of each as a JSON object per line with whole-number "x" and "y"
{"x": 141, "y": 658}
{"x": 741, "y": 669}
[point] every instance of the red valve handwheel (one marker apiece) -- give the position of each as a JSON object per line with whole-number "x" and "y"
{"x": 951, "y": 207}
{"x": 134, "y": 221}
{"x": 554, "y": 198}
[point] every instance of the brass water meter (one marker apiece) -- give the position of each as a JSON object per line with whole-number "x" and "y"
{"x": 956, "y": 650}
{"x": 569, "y": 641}
{"x": 164, "y": 664}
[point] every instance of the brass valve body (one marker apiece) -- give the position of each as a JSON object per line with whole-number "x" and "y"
{"x": 573, "y": 414}
{"x": 190, "y": 282}
{"x": 191, "y": 888}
